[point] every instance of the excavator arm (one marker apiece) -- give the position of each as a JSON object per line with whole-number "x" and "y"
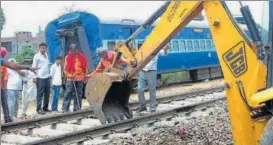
{"x": 244, "y": 71}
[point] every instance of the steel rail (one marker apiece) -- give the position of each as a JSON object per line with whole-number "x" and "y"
{"x": 89, "y": 133}
{"x": 58, "y": 118}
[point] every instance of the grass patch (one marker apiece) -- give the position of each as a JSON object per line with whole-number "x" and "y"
{"x": 175, "y": 77}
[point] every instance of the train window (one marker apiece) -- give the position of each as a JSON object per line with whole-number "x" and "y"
{"x": 182, "y": 45}
{"x": 111, "y": 45}
{"x": 213, "y": 46}
{"x": 189, "y": 45}
{"x": 139, "y": 44}
{"x": 202, "y": 45}
{"x": 208, "y": 44}
{"x": 196, "y": 44}
{"x": 175, "y": 46}
{"x": 198, "y": 30}
{"x": 134, "y": 43}
{"x": 208, "y": 36}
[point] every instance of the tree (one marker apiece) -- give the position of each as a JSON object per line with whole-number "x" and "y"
{"x": 3, "y": 19}
{"x": 27, "y": 52}
{"x": 39, "y": 29}
{"x": 70, "y": 9}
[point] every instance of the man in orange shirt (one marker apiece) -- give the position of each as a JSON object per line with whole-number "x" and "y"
{"x": 4, "y": 80}
{"x": 4, "y": 95}
{"x": 107, "y": 58}
{"x": 75, "y": 70}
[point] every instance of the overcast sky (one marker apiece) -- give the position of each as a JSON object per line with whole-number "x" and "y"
{"x": 29, "y": 15}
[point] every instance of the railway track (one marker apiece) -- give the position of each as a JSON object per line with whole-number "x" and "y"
{"x": 58, "y": 118}
{"x": 181, "y": 83}
{"x": 93, "y": 132}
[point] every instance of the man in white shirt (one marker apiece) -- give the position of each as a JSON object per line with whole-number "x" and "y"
{"x": 41, "y": 61}
{"x": 29, "y": 91}
{"x": 56, "y": 76}
{"x": 14, "y": 87}
{"x": 147, "y": 77}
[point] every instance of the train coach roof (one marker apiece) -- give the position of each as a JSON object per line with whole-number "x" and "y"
{"x": 194, "y": 23}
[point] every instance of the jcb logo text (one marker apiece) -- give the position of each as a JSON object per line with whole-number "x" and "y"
{"x": 235, "y": 58}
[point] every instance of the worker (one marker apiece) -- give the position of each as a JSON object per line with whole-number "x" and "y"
{"x": 147, "y": 77}
{"x": 4, "y": 93}
{"x": 10, "y": 65}
{"x": 107, "y": 58}
{"x": 75, "y": 70}
{"x": 43, "y": 78}
{"x": 14, "y": 87}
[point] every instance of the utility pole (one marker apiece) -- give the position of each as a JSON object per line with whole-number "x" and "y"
{"x": 16, "y": 34}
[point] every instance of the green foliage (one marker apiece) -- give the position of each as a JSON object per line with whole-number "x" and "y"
{"x": 175, "y": 77}
{"x": 19, "y": 58}
{"x": 3, "y": 19}
{"x": 26, "y": 53}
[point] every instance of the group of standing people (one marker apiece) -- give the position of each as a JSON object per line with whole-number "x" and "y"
{"x": 36, "y": 81}
{"x": 75, "y": 73}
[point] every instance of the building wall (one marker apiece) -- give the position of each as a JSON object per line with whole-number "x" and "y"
{"x": 15, "y": 43}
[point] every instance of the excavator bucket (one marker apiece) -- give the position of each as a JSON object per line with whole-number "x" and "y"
{"x": 108, "y": 95}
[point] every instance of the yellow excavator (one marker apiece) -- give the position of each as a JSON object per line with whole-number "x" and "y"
{"x": 246, "y": 65}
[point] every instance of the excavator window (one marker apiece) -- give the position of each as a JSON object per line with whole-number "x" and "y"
{"x": 265, "y": 23}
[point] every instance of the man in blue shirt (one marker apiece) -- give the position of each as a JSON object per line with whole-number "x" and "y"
{"x": 147, "y": 77}
{"x": 2, "y": 61}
